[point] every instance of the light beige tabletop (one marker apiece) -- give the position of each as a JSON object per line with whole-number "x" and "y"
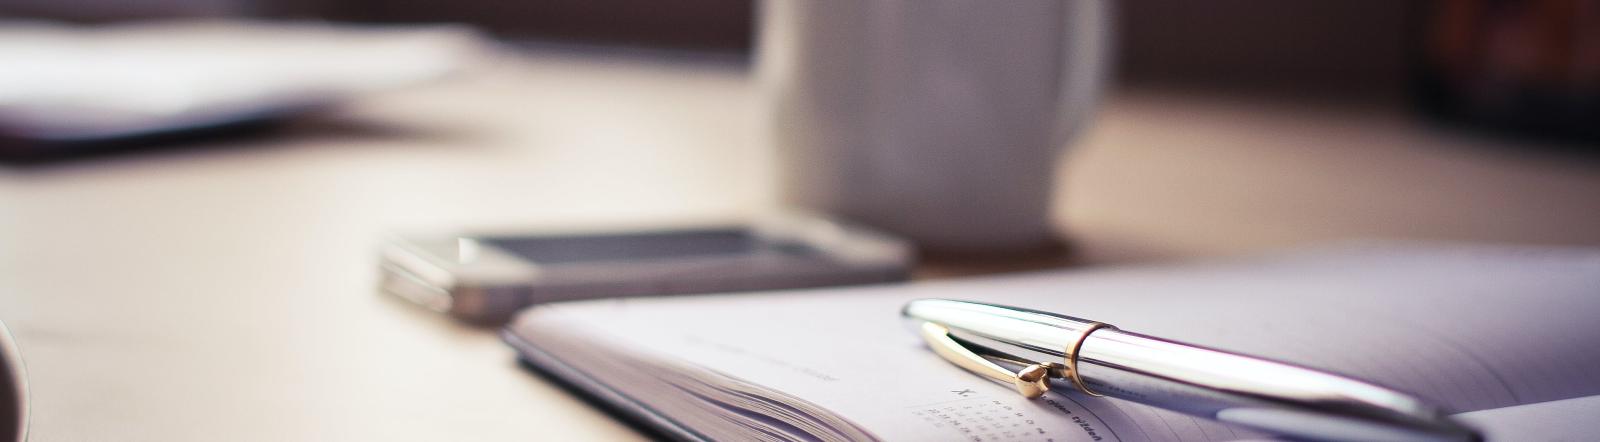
{"x": 226, "y": 291}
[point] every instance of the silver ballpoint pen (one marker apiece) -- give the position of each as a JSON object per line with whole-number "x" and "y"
{"x": 1100, "y": 360}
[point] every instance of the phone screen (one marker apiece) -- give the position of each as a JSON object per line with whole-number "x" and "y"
{"x": 642, "y": 246}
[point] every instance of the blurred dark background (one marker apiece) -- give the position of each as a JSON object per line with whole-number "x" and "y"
{"x": 1340, "y": 47}
{"x": 1530, "y": 68}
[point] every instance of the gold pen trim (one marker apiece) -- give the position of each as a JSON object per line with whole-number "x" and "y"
{"x": 1032, "y": 381}
{"x": 1072, "y": 357}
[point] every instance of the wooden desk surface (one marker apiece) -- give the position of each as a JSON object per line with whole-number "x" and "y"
{"x": 227, "y": 292}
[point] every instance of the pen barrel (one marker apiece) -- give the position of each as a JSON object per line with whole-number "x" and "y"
{"x": 1255, "y": 392}
{"x": 1229, "y": 387}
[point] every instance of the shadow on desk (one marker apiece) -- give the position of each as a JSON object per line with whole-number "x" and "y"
{"x": 22, "y": 153}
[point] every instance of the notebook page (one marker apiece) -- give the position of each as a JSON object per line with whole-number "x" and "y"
{"x": 1541, "y": 421}
{"x": 1469, "y": 328}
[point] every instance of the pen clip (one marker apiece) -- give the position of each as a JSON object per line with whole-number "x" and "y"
{"x": 1032, "y": 381}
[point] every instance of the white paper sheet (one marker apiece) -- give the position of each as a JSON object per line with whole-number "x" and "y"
{"x": 1544, "y": 421}
{"x": 75, "y": 83}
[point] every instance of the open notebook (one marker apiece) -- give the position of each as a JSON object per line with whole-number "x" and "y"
{"x": 1510, "y": 337}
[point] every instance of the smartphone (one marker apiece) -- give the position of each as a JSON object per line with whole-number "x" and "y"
{"x": 487, "y": 277}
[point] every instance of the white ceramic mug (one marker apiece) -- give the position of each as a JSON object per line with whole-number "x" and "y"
{"x": 940, "y": 120}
